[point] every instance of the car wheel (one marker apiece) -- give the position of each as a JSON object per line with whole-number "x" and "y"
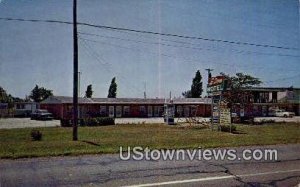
{"x": 285, "y": 116}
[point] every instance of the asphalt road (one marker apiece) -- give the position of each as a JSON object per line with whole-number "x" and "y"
{"x": 110, "y": 170}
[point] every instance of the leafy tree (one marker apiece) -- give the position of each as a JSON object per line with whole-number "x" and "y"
{"x": 8, "y": 98}
{"x": 187, "y": 94}
{"x": 112, "y": 91}
{"x": 241, "y": 81}
{"x": 196, "y": 88}
{"x": 237, "y": 92}
{"x": 39, "y": 94}
{"x": 3, "y": 95}
{"x": 89, "y": 91}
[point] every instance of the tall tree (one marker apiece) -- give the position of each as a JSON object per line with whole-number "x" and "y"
{"x": 196, "y": 88}
{"x": 39, "y": 94}
{"x": 112, "y": 91}
{"x": 89, "y": 91}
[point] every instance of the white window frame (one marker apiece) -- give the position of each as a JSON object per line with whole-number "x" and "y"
{"x": 103, "y": 110}
{"x": 118, "y": 111}
{"x": 150, "y": 111}
{"x": 111, "y": 111}
{"x": 126, "y": 110}
{"x": 156, "y": 111}
{"x": 186, "y": 111}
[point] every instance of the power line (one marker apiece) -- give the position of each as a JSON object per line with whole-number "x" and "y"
{"x": 170, "y": 56}
{"x": 153, "y": 33}
{"x": 243, "y": 52}
{"x": 92, "y": 53}
{"x": 166, "y": 55}
{"x": 283, "y": 79}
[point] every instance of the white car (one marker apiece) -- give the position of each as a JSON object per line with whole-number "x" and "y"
{"x": 282, "y": 113}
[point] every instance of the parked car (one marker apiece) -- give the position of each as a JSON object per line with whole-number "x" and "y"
{"x": 41, "y": 115}
{"x": 283, "y": 113}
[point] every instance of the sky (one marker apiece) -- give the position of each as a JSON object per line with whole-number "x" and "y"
{"x": 42, "y": 53}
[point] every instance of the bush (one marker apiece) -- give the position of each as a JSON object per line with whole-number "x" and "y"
{"x": 36, "y": 135}
{"x": 264, "y": 121}
{"x": 66, "y": 123}
{"x": 99, "y": 121}
{"x": 226, "y": 128}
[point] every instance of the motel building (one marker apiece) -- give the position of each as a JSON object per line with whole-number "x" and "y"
{"x": 264, "y": 99}
{"x": 61, "y": 107}
{"x": 267, "y": 99}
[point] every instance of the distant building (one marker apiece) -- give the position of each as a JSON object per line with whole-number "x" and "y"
{"x": 24, "y": 109}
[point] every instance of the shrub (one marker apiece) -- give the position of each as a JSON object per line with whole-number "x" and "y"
{"x": 106, "y": 121}
{"x": 66, "y": 123}
{"x": 226, "y": 128}
{"x": 36, "y": 135}
{"x": 99, "y": 121}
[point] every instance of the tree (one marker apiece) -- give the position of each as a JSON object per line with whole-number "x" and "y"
{"x": 89, "y": 91}
{"x": 39, "y": 94}
{"x": 237, "y": 92}
{"x": 112, "y": 91}
{"x": 196, "y": 88}
{"x": 187, "y": 94}
{"x": 8, "y": 98}
{"x": 241, "y": 81}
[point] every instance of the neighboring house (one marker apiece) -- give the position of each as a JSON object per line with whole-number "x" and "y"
{"x": 25, "y": 108}
{"x": 61, "y": 107}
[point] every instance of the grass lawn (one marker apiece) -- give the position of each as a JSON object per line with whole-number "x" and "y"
{"x": 16, "y": 143}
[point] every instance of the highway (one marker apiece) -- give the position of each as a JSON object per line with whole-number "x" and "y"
{"x": 110, "y": 170}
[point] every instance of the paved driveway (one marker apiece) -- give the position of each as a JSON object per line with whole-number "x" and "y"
{"x": 11, "y": 123}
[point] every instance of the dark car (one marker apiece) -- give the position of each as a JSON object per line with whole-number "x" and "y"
{"x": 41, "y": 115}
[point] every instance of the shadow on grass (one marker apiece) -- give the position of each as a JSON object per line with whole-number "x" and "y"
{"x": 90, "y": 142}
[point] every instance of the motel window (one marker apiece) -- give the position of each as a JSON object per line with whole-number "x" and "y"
{"x": 126, "y": 110}
{"x": 119, "y": 111}
{"x": 186, "y": 111}
{"x": 161, "y": 110}
{"x": 193, "y": 110}
{"x": 179, "y": 110}
{"x": 103, "y": 110}
{"x": 156, "y": 111}
{"x": 142, "y": 110}
{"x": 111, "y": 111}
{"x": 150, "y": 111}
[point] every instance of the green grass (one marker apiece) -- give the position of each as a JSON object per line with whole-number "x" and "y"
{"x": 16, "y": 143}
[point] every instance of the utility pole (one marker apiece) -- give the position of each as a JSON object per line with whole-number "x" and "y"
{"x": 75, "y": 73}
{"x": 145, "y": 91}
{"x": 79, "y": 88}
{"x": 212, "y": 99}
{"x": 209, "y": 72}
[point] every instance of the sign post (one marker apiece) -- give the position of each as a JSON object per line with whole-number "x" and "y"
{"x": 220, "y": 112}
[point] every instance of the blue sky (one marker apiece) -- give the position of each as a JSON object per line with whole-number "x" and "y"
{"x": 41, "y": 53}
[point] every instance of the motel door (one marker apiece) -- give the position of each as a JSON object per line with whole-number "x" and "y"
{"x": 111, "y": 111}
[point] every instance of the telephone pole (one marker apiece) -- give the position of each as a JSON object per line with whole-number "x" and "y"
{"x": 209, "y": 72}
{"x": 75, "y": 73}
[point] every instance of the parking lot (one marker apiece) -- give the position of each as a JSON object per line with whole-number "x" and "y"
{"x": 10, "y": 123}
